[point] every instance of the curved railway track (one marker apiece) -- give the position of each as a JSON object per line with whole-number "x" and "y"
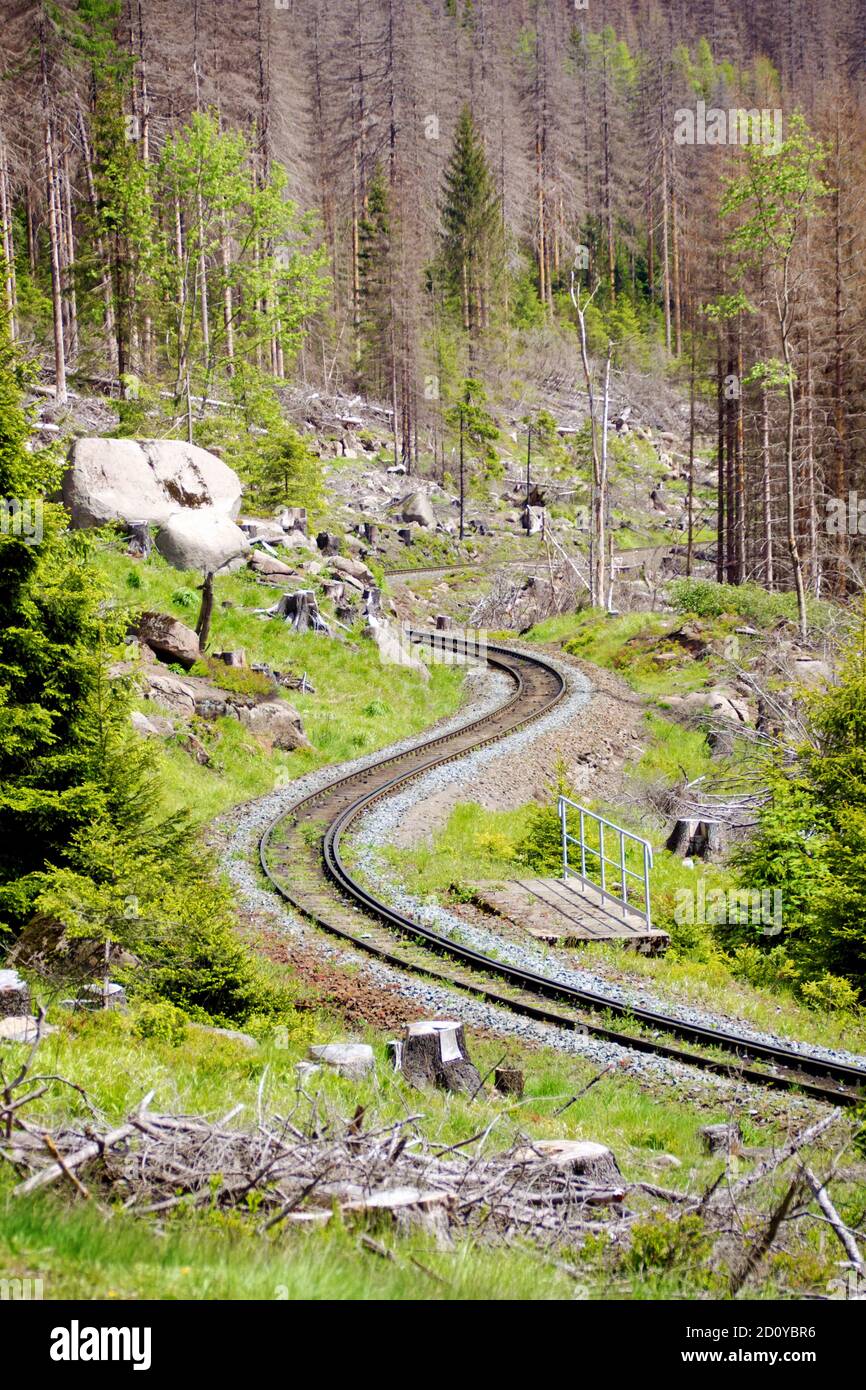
{"x": 302, "y": 855}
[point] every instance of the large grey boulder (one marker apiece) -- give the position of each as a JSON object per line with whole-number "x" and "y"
{"x": 202, "y": 540}
{"x": 169, "y": 637}
{"x": 145, "y": 480}
{"x": 416, "y": 506}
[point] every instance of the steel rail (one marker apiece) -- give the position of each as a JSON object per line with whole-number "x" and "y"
{"x": 525, "y": 706}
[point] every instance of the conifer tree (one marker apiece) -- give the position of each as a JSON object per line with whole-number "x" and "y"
{"x": 472, "y": 249}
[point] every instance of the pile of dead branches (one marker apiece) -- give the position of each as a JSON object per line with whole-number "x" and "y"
{"x": 312, "y": 1166}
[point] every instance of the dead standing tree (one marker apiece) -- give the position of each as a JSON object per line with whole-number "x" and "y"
{"x": 598, "y": 586}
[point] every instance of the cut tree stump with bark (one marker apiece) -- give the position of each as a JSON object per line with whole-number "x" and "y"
{"x": 434, "y": 1053}
{"x": 14, "y": 995}
{"x": 583, "y": 1157}
{"x": 722, "y": 1139}
{"x": 302, "y": 611}
{"x": 508, "y": 1081}
{"x": 140, "y": 541}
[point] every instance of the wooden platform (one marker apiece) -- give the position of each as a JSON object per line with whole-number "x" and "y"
{"x": 566, "y": 912}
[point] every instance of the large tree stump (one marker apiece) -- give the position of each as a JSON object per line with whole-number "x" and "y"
{"x": 434, "y": 1053}
{"x": 302, "y": 611}
{"x": 139, "y": 541}
{"x": 593, "y": 1163}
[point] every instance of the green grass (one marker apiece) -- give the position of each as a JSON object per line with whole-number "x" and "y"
{"x": 673, "y": 753}
{"x": 96, "y": 1250}
{"x": 359, "y": 705}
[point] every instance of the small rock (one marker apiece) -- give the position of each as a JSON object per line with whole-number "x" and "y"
{"x": 202, "y": 540}
{"x": 23, "y": 1029}
{"x": 348, "y": 1059}
{"x": 231, "y": 1033}
{"x": 278, "y": 722}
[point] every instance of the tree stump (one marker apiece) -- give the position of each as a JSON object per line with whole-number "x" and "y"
{"x": 302, "y": 611}
{"x": 205, "y": 613}
{"x": 14, "y": 995}
{"x": 508, "y": 1081}
{"x": 434, "y": 1053}
{"x": 722, "y": 1139}
{"x": 594, "y": 1163}
{"x": 140, "y": 541}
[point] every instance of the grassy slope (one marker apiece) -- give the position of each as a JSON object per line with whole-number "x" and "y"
{"x": 359, "y": 704}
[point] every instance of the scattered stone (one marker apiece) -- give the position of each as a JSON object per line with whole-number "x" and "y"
{"x": 146, "y": 481}
{"x": 270, "y": 531}
{"x": 203, "y": 540}
{"x": 14, "y": 995}
{"x": 46, "y": 947}
{"x": 416, "y": 506}
{"x": 142, "y": 725}
{"x": 276, "y": 721}
{"x": 169, "y": 638}
{"x": 232, "y": 1034}
{"x": 269, "y": 564}
{"x": 348, "y": 1059}
{"x": 197, "y": 750}
{"x": 169, "y": 690}
{"x": 355, "y": 569}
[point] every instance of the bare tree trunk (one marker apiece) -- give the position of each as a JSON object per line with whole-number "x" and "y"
{"x": 54, "y": 229}
{"x": 101, "y": 253}
{"x": 69, "y": 258}
{"x": 7, "y": 241}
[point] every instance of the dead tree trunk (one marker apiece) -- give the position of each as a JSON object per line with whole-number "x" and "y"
{"x": 202, "y": 627}
{"x": 435, "y": 1054}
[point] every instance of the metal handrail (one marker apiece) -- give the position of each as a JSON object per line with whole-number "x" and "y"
{"x": 605, "y": 862}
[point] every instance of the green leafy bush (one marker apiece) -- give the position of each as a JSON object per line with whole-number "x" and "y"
{"x": 829, "y": 992}
{"x": 161, "y": 1022}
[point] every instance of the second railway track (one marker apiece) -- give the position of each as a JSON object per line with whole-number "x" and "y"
{"x": 302, "y": 856}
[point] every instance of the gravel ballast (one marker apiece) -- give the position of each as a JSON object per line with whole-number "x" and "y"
{"x": 240, "y": 830}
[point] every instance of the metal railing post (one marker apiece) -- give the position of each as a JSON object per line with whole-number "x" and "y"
{"x": 562, "y": 817}
{"x": 621, "y": 898}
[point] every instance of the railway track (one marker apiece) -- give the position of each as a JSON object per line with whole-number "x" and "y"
{"x": 303, "y": 857}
